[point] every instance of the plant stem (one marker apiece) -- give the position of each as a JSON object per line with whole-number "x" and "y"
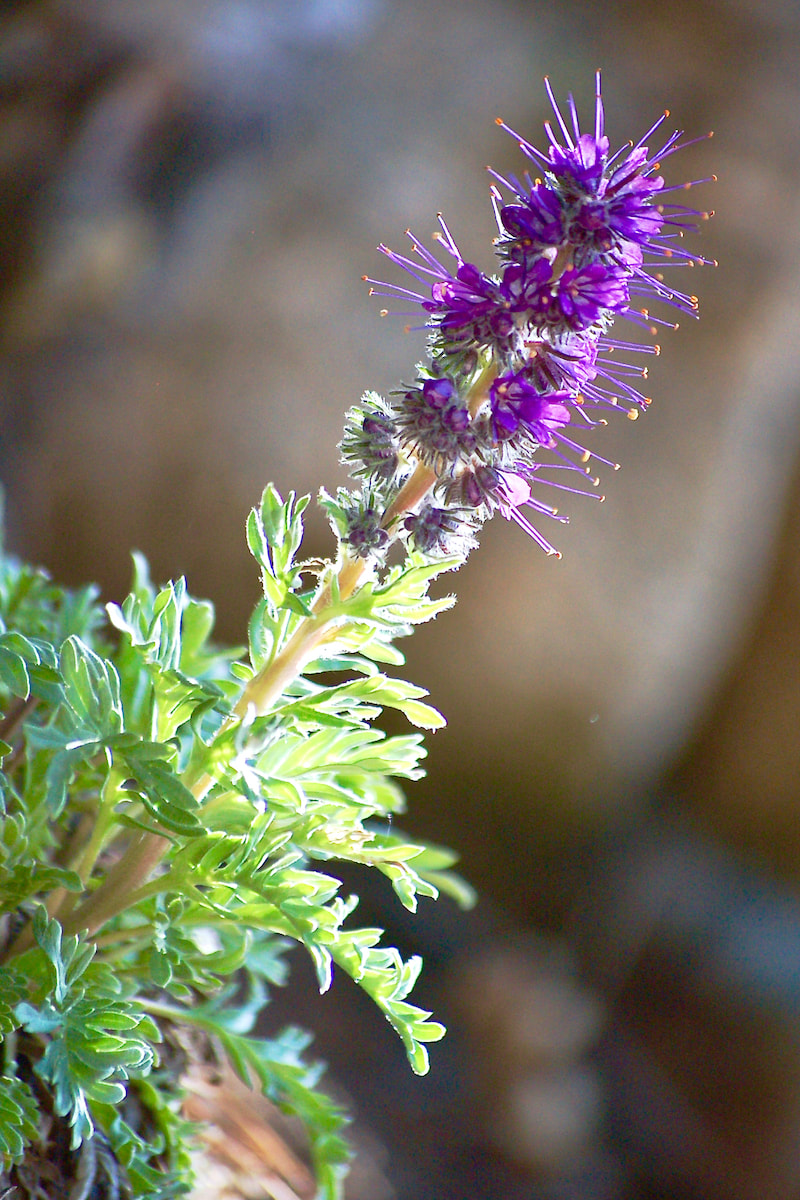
{"x": 124, "y": 878}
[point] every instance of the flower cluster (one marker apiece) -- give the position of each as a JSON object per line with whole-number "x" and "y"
{"x": 521, "y": 363}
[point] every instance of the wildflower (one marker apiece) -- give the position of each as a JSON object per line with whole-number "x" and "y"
{"x": 537, "y": 221}
{"x": 522, "y": 363}
{"x": 517, "y": 405}
{"x": 514, "y": 493}
{"x": 370, "y": 445}
{"x": 610, "y": 206}
{"x": 584, "y": 295}
{"x": 435, "y": 425}
{"x": 465, "y": 307}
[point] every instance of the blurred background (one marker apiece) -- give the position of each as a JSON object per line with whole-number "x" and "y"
{"x": 189, "y": 195}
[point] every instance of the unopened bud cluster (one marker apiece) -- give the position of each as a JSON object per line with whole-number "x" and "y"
{"x": 521, "y": 366}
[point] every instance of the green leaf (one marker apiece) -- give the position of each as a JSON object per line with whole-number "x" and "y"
{"x": 69, "y": 956}
{"x": 163, "y": 794}
{"x": 14, "y": 672}
{"x": 91, "y": 689}
{"x": 19, "y": 1119}
{"x": 61, "y": 770}
{"x": 87, "y": 1057}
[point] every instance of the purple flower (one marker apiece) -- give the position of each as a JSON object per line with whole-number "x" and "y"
{"x": 583, "y": 295}
{"x": 523, "y": 364}
{"x": 537, "y": 221}
{"x": 611, "y": 205}
{"x": 514, "y": 493}
{"x": 562, "y": 361}
{"x": 527, "y": 287}
{"x": 575, "y": 300}
{"x": 467, "y": 308}
{"x": 471, "y": 309}
{"x": 435, "y": 425}
{"x": 516, "y": 404}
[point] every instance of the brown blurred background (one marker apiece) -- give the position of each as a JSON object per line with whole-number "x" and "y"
{"x": 189, "y": 194}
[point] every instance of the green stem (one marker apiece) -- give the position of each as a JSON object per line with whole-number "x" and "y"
{"x": 122, "y": 881}
{"x": 108, "y": 798}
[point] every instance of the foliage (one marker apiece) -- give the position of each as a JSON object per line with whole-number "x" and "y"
{"x": 169, "y": 815}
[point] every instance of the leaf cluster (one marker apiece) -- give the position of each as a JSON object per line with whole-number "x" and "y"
{"x": 163, "y": 844}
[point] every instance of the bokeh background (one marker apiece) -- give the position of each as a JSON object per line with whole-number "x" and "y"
{"x": 190, "y": 192}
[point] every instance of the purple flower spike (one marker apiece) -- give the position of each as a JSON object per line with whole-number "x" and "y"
{"x": 611, "y": 205}
{"x": 521, "y": 360}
